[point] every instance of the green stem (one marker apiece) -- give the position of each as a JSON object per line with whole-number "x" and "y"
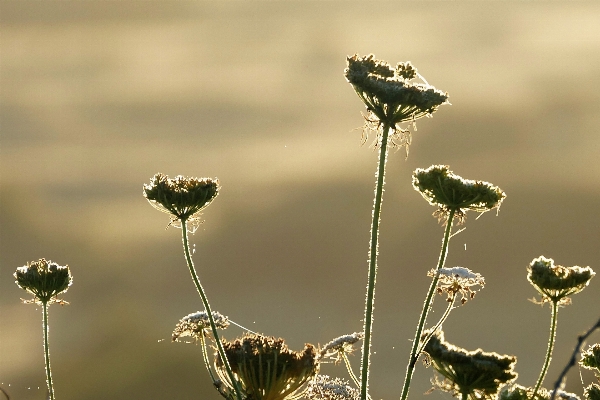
{"x": 414, "y": 355}
{"x": 350, "y": 372}
{"x": 368, "y": 323}
{"x": 205, "y": 357}
{"x": 440, "y": 322}
{"x": 213, "y": 327}
{"x": 551, "y": 341}
{"x": 464, "y": 396}
{"x": 47, "y": 350}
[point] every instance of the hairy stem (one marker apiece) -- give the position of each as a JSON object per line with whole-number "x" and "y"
{"x": 551, "y": 341}
{"x": 190, "y": 263}
{"x": 205, "y": 357}
{"x": 440, "y": 322}
{"x": 414, "y": 355}
{"x": 47, "y": 350}
{"x": 368, "y": 322}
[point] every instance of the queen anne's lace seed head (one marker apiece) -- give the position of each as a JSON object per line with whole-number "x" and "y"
{"x": 590, "y": 358}
{"x": 448, "y": 191}
{"x": 341, "y": 345}
{"x": 197, "y": 324}
{"x": 322, "y": 387}
{"x": 181, "y": 197}
{"x": 555, "y": 282}
{"x": 266, "y": 368}
{"x": 458, "y": 280}
{"x": 477, "y": 374}
{"x": 592, "y": 392}
{"x": 389, "y": 95}
{"x": 45, "y": 280}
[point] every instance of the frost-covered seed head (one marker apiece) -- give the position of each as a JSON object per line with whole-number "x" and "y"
{"x": 322, "y": 387}
{"x": 458, "y": 280}
{"x": 590, "y": 358}
{"x": 342, "y": 344}
{"x": 592, "y": 392}
{"x": 44, "y": 279}
{"x": 555, "y": 282}
{"x": 197, "y": 324}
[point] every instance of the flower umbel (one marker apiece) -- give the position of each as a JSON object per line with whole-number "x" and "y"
{"x": 389, "y": 95}
{"x": 458, "y": 280}
{"x": 590, "y": 359}
{"x": 322, "y": 387}
{"x": 266, "y": 369}
{"x": 441, "y": 187}
{"x": 555, "y": 282}
{"x": 341, "y": 345}
{"x": 181, "y": 197}
{"x": 592, "y": 392}
{"x": 475, "y": 374}
{"x": 517, "y": 392}
{"x": 44, "y": 280}
{"x": 197, "y": 324}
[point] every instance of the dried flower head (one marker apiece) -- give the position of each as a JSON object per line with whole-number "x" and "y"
{"x": 458, "y": 280}
{"x": 442, "y": 188}
{"x": 44, "y": 280}
{"x": 389, "y": 95}
{"x": 181, "y": 197}
{"x": 590, "y": 359}
{"x": 476, "y": 374}
{"x": 592, "y": 392}
{"x": 197, "y": 324}
{"x": 322, "y": 387}
{"x": 266, "y": 369}
{"x": 555, "y": 282}
{"x": 341, "y": 345}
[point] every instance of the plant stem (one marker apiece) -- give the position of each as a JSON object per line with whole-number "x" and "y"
{"x": 551, "y": 341}
{"x": 440, "y": 322}
{"x": 368, "y": 322}
{"x": 190, "y": 263}
{"x": 47, "y": 350}
{"x": 414, "y": 355}
{"x": 205, "y": 357}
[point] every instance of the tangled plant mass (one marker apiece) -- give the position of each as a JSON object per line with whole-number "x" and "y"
{"x": 260, "y": 367}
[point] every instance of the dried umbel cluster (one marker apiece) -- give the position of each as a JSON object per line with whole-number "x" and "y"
{"x": 181, "y": 197}
{"x": 442, "y": 188}
{"x": 592, "y": 392}
{"x": 266, "y": 368}
{"x": 590, "y": 359}
{"x": 458, "y": 280}
{"x": 475, "y": 374}
{"x": 322, "y": 387}
{"x": 44, "y": 279}
{"x": 341, "y": 345}
{"x": 197, "y": 324}
{"x": 555, "y": 282}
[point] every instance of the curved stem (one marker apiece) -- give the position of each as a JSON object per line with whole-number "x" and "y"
{"x": 47, "y": 350}
{"x": 190, "y": 263}
{"x": 205, "y": 357}
{"x": 349, "y": 368}
{"x": 414, "y": 355}
{"x": 368, "y": 322}
{"x": 551, "y": 341}
{"x": 440, "y": 322}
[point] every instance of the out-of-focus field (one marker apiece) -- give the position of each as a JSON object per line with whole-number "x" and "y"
{"x": 98, "y": 96}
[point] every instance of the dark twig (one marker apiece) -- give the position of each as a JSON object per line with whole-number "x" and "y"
{"x": 5, "y": 394}
{"x": 573, "y": 360}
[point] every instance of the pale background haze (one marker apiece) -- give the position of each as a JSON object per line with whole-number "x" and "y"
{"x": 98, "y": 96}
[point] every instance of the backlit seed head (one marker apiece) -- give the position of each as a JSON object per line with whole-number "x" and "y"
{"x": 555, "y": 282}
{"x": 592, "y": 392}
{"x": 590, "y": 358}
{"x": 442, "y": 188}
{"x": 44, "y": 280}
{"x": 477, "y": 374}
{"x": 340, "y": 345}
{"x": 322, "y": 387}
{"x": 266, "y": 369}
{"x": 389, "y": 95}
{"x": 197, "y": 324}
{"x": 517, "y": 392}
{"x": 458, "y": 280}
{"x": 181, "y": 197}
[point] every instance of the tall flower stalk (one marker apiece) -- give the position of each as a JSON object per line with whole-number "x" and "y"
{"x": 391, "y": 99}
{"x": 184, "y": 198}
{"x": 453, "y": 196}
{"x": 45, "y": 280}
{"x": 555, "y": 283}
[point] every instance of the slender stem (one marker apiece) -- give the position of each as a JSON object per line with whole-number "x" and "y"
{"x": 551, "y": 341}
{"x": 414, "y": 355}
{"x": 190, "y": 263}
{"x": 464, "y": 396}
{"x": 47, "y": 350}
{"x": 350, "y": 372}
{"x": 205, "y": 357}
{"x": 440, "y": 322}
{"x": 368, "y": 322}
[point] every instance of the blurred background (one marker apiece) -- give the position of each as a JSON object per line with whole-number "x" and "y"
{"x": 98, "y": 96}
